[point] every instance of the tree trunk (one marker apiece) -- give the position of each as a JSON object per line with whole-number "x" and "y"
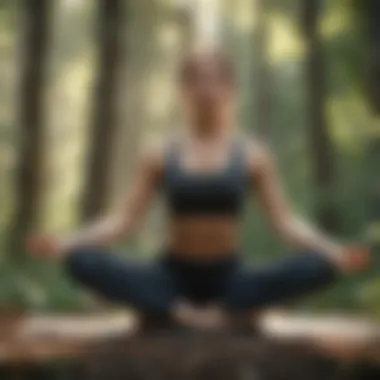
{"x": 320, "y": 140}
{"x": 98, "y": 183}
{"x": 262, "y": 88}
{"x": 137, "y": 64}
{"x": 373, "y": 33}
{"x": 374, "y": 53}
{"x": 29, "y": 171}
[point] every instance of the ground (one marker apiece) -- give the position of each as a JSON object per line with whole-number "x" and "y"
{"x": 106, "y": 346}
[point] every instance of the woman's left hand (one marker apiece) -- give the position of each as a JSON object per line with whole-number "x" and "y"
{"x": 354, "y": 258}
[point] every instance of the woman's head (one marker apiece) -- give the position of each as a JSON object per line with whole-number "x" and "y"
{"x": 207, "y": 83}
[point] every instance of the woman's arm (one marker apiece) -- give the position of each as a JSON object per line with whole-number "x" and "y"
{"x": 122, "y": 222}
{"x": 289, "y": 225}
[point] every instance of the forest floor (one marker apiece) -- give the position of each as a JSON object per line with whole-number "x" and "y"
{"x": 30, "y": 339}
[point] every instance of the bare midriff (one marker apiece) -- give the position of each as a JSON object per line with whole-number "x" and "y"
{"x": 203, "y": 238}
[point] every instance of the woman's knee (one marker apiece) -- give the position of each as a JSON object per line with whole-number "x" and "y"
{"x": 320, "y": 267}
{"x": 84, "y": 263}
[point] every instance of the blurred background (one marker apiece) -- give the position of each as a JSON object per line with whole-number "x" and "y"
{"x": 84, "y": 84}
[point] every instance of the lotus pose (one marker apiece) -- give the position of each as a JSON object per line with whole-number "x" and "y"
{"x": 204, "y": 173}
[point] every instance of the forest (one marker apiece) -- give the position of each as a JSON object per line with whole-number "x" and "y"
{"x": 86, "y": 84}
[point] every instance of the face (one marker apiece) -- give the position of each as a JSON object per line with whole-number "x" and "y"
{"x": 207, "y": 86}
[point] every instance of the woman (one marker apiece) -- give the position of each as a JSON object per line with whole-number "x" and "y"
{"x": 203, "y": 174}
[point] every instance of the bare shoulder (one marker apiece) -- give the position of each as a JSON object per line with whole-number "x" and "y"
{"x": 151, "y": 156}
{"x": 258, "y": 155}
{"x": 154, "y": 153}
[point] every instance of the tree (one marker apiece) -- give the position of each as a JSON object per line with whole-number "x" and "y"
{"x": 29, "y": 170}
{"x": 320, "y": 140}
{"x": 373, "y": 35}
{"x": 373, "y": 7}
{"x": 98, "y": 182}
{"x": 262, "y": 85}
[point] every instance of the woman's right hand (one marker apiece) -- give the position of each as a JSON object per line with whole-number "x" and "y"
{"x": 45, "y": 245}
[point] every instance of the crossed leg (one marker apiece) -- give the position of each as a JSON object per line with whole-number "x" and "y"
{"x": 150, "y": 288}
{"x": 287, "y": 279}
{"x": 145, "y": 286}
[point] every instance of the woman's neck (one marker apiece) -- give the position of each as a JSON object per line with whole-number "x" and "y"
{"x": 211, "y": 129}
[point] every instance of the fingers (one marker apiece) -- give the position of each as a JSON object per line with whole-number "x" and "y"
{"x": 356, "y": 258}
{"x": 42, "y": 245}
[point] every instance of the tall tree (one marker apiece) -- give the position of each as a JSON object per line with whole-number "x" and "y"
{"x": 138, "y": 60}
{"x": 320, "y": 140}
{"x": 29, "y": 170}
{"x": 103, "y": 131}
{"x": 372, "y": 15}
{"x": 262, "y": 82}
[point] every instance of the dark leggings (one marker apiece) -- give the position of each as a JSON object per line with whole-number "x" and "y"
{"x": 156, "y": 286}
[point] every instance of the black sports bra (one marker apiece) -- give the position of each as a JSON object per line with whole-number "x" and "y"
{"x": 220, "y": 192}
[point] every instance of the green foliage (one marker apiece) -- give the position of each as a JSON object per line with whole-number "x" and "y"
{"x": 37, "y": 285}
{"x": 349, "y": 122}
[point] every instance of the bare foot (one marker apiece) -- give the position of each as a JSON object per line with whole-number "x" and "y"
{"x": 208, "y": 317}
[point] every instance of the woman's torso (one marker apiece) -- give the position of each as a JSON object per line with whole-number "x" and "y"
{"x": 204, "y": 187}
